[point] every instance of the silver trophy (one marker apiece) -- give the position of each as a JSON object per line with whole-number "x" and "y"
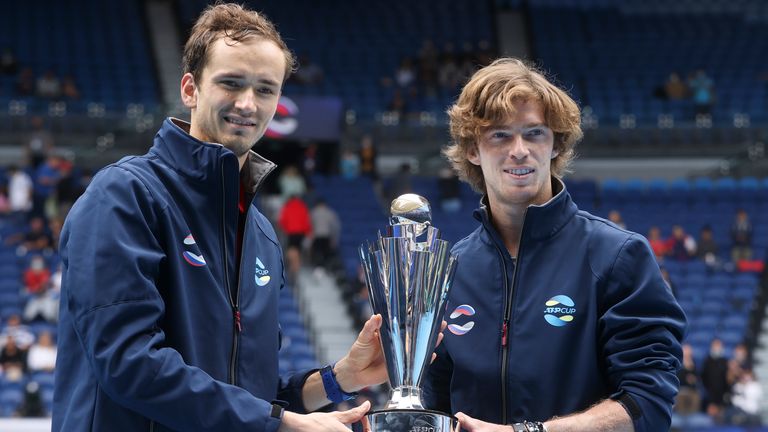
{"x": 409, "y": 273}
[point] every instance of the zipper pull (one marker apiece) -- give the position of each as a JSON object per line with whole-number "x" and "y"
{"x": 504, "y": 330}
{"x": 237, "y": 321}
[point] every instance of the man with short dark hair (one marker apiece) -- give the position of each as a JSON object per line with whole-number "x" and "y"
{"x": 171, "y": 275}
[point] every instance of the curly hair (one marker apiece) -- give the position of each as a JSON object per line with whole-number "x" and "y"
{"x": 489, "y": 98}
{"x": 232, "y": 21}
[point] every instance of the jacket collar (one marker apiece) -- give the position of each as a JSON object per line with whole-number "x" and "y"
{"x": 200, "y": 160}
{"x": 541, "y": 221}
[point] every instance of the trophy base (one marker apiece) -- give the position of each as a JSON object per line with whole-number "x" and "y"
{"x": 411, "y": 420}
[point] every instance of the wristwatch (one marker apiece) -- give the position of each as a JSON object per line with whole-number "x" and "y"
{"x": 332, "y": 388}
{"x": 527, "y": 426}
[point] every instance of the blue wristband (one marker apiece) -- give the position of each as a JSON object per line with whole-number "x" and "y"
{"x": 332, "y": 388}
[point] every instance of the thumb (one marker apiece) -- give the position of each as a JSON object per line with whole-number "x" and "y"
{"x": 369, "y": 329}
{"x": 467, "y": 423}
{"x": 353, "y": 415}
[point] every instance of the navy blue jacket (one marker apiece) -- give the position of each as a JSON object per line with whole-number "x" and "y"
{"x": 151, "y": 335}
{"x": 580, "y": 315}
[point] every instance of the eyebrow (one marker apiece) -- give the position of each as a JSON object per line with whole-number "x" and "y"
{"x": 235, "y": 75}
{"x": 526, "y": 126}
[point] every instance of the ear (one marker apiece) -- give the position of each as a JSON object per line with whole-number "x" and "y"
{"x": 555, "y": 153}
{"x": 189, "y": 91}
{"x": 473, "y": 156}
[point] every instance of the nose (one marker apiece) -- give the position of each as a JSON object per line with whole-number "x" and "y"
{"x": 246, "y": 102}
{"x": 518, "y": 147}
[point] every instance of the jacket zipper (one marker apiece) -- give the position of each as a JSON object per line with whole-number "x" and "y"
{"x": 505, "y": 323}
{"x": 232, "y": 302}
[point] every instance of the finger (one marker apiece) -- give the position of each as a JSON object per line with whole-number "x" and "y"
{"x": 353, "y": 415}
{"x": 434, "y": 357}
{"x": 443, "y": 326}
{"x": 468, "y": 423}
{"x": 366, "y": 424}
{"x": 439, "y": 339}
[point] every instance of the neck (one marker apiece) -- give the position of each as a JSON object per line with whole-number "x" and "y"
{"x": 508, "y": 220}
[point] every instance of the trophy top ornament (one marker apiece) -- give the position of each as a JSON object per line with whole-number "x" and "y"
{"x": 410, "y": 208}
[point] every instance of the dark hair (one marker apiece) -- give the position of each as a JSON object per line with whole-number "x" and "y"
{"x": 232, "y": 21}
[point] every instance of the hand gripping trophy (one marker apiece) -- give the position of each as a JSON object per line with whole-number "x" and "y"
{"x": 409, "y": 274}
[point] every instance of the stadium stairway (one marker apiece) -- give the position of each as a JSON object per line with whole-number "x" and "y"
{"x": 326, "y": 313}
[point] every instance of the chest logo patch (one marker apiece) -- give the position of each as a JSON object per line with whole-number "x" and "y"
{"x": 192, "y": 258}
{"x": 559, "y": 310}
{"x": 262, "y": 274}
{"x": 463, "y": 310}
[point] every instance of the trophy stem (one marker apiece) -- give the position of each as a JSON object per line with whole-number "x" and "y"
{"x": 405, "y": 397}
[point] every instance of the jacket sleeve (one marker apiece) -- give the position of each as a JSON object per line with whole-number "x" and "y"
{"x": 436, "y": 385}
{"x": 641, "y": 329}
{"x": 111, "y": 289}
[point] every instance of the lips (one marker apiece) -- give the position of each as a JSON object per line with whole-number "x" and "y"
{"x": 239, "y": 121}
{"x": 519, "y": 171}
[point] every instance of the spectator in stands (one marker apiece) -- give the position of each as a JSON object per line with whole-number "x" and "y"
{"x": 688, "y": 400}
{"x": 326, "y": 229}
{"x": 47, "y": 177}
{"x": 20, "y": 333}
{"x": 714, "y": 377}
{"x": 615, "y": 217}
{"x": 37, "y": 238}
{"x": 449, "y": 190}
{"x": 25, "y": 83}
{"x": 70, "y": 186}
{"x": 8, "y": 63}
{"x": 48, "y": 86}
{"x": 69, "y": 88}
{"x": 512, "y": 135}
{"x": 32, "y": 404}
{"x": 20, "y": 190}
{"x": 12, "y": 360}
{"x": 681, "y": 246}
{"x": 398, "y": 103}
{"x": 741, "y": 237}
{"x": 43, "y": 302}
{"x": 746, "y": 400}
{"x": 36, "y": 276}
{"x": 448, "y": 74}
{"x": 349, "y": 165}
{"x": 309, "y": 72}
{"x": 658, "y": 244}
{"x": 42, "y": 355}
{"x": 428, "y": 63}
{"x": 738, "y": 363}
{"x": 291, "y": 183}
{"x": 5, "y": 204}
{"x": 295, "y": 221}
{"x": 675, "y": 88}
{"x": 702, "y": 92}
{"x": 165, "y": 325}
{"x": 368, "y": 157}
{"x": 39, "y": 143}
{"x": 706, "y": 247}
{"x": 405, "y": 75}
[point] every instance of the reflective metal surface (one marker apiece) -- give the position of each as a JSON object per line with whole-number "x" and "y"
{"x": 408, "y": 273}
{"x": 401, "y": 420}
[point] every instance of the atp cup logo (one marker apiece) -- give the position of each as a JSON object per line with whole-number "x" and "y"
{"x": 261, "y": 273}
{"x": 463, "y": 310}
{"x": 284, "y": 122}
{"x": 559, "y": 311}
